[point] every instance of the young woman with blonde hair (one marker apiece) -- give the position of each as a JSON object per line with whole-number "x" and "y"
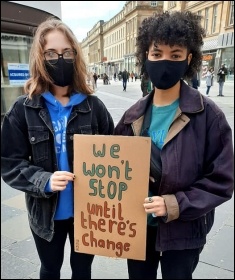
{"x": 37, "y": 143}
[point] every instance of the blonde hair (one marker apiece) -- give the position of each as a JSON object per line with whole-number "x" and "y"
{"x": 40, "y": 81}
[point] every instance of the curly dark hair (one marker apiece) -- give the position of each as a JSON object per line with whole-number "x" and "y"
{"x": 176, "y": 28}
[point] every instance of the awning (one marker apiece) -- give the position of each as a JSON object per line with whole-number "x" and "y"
{"x": 210, "y": 45}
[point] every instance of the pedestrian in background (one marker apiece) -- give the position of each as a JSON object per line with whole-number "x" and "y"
{"x": 209, "y": 79}
{"x": 95, "y": 77}
{"x": 136, "y": 76}
{"x": 37, "y": 143}
{"x": 106, "y": 79}
{"x": 120, "y": 75}
{"x": 145, "y": 84}
{"x": 132, "y": 76}
{"x": 221, "y": 78}
{"x": 124, "y": 79}
{"x": 195, "y": 83}
{"x": 192, "y": 147}
{"x": 128, "y": 76}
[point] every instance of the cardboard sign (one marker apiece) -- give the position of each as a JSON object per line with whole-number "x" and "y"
{"x": 112, "y": 176}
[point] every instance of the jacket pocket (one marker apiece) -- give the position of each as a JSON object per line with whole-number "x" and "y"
{"x": 88, "y": 129}
{"x": 199, "y": 229}
{"x": 39, "y": 141}
{"x": 203, "y": 225}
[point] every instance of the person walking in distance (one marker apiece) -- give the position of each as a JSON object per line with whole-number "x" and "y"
{"x": 132, "y": 75}
{"x": 95, "y": 77}
{"x": 191, "y": 167}
{"x": 119, "y": 75}
{"x": 195, "y": 81}
{"x": 37, "y": 143}
{"x": 221, "y": 78}
{"x": 124, "y": 79}
{"x": 145, "y": 85}
{"x": 209, "y": 80}
{"x": 128, "y": 76}
{"x": 136, "y": 76}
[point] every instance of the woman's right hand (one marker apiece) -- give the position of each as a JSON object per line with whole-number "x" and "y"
{"x": 60, "y": 179}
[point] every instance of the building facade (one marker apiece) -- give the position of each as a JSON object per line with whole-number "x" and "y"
{"x": 110, "y": 46}
{"x": 18, "y": 21}
{"x": 218, "y": 22}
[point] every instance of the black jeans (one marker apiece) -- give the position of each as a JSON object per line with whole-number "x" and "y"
{"x": 175, "y": 264}
{"x": 124, "y": 84}
{"x": 51, "y": 254}
{"x": 208, "y": 89}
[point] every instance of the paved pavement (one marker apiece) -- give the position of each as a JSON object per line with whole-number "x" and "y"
{"x": 19, "y": 259}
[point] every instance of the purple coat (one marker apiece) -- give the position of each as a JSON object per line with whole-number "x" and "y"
{"x": 197, "y": 167}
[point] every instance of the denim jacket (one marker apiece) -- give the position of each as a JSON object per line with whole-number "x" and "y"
{"x": 28, "y": 154}
{"x": 197, "y": 167}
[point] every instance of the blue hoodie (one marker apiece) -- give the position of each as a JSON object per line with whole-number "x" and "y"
{"x": 59, "y": 117}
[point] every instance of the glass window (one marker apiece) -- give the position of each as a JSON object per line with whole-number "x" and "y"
{"x": 199, "y": 13}
{"x": 231, "y": 13}
{"x": 214, "y": 18}
{"x": 171, "y": 4}
{"x": 14, "y": 67}
{"x": 206, "y": 20}
{"x": 228, "y": 60}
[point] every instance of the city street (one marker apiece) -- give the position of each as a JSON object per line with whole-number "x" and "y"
{"x": 19, "y": 258}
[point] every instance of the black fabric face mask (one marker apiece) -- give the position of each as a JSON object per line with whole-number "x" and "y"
{"x": 61, "y": 72}
{"x": 164, "y": 74}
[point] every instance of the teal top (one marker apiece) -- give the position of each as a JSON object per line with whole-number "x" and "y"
{"x": 161, "y": 119}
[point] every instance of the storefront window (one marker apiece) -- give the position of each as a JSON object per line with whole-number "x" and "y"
{"x": 208, "y": 60}
{"x": 228, "y": 60}
{"x": 14, "y": 67}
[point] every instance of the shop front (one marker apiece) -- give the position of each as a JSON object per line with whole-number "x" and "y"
{"x": 225, "y": 53}
{"x": 18, "y": 23}
{"x": 14, "y": 68}
{"x": 208, "y": 60}
{"x": 227, "y": 58}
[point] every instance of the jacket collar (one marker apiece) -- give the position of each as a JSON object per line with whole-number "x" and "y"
{"x": 38, "y": 101}
{"x": 191, "y": 101}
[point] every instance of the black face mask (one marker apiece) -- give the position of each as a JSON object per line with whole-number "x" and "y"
{"x": 164, "y": 74}
{"x": 61, "y": 72}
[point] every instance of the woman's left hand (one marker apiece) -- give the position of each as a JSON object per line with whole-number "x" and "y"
{"x": 156, "y": 205}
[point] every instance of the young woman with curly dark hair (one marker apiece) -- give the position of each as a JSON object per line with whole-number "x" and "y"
{"x": 194, "y": 140}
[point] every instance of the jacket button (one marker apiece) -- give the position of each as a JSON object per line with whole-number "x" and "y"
{"x": 32, "y": 139}
{"x": 71, "y": 137}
